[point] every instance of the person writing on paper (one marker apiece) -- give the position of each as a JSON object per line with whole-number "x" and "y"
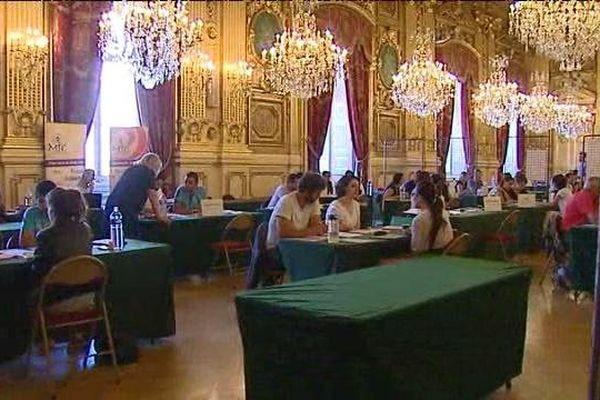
{"x": 561, "y": 194}
{"x": 583, "y": 207}
{"x": 298, "y": 214}
{"x": 189, "y": 195}
{"x": 393, "y": 189}
{"x": 68, "y": 234}
{"x": 87, "y": 181}
{"x": 136, "y": 185}
{"x": 431, "y": 228}
{"x": 346, "y": 208}
{"x": 505, "y": 190}
{"x": 291, "y": 184}
{"x": 36, "y": 218}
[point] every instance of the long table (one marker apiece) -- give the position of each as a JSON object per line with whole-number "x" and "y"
{"x": 190, "y": 238}
{"x": 315, "y": 257}
{"x": 248, "y": 205}
{"x": 434, "y": 327}
{"x": 139, "y": 295}
{"x": 582, "y": 242}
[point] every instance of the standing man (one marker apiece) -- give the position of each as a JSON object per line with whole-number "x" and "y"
{"x": 582, "y": 165}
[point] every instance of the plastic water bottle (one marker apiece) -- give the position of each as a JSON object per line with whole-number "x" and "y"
{"x": 116, "y": 229}
{"x": 370, "y": 188}
{"x": 333, "y": 229}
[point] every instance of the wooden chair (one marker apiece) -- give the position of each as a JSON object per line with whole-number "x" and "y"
{"x": 79, "y": 271}
{"x": 236, "y": 238}
{"x": 459, "y": 246}
{"x": 13, "y": 241}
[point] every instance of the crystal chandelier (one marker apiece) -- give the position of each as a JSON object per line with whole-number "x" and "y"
{"x": 303, "y": 61}
{"x": 567, "y": 31}
{"x": 538, "y": 110}
{"x": 239, "y": 75}
{"x": 496, "y": 101}
{"x": 30, "y": 53}
{"x": 152, "y": 37}
{"x": 421, "y": 86}
{"x": 573, "y": 120}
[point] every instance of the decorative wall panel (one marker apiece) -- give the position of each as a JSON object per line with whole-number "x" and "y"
{"x": 267, "y": 124}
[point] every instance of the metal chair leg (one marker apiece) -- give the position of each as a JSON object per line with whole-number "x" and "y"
{"x": 111, "y": 345}
{"x": 546, "y": 269}
{"x": 228, "y": 261}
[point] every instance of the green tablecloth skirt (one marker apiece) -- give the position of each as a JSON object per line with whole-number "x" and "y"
{"x": 434, "y": 328}
{"x": 305, "y": 259}
{"x": 139, "y": 295}
{"x": 190, "y": 239}
{"x": 248, "y": 205}
{"x": 582, "y": 242}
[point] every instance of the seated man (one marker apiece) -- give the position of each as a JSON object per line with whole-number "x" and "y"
{"x": 298, "y": 214}
{"x": 189, "y": 196}
{"x": 36, "y": 218}
{"x": 583, "y": 207}
{"x": 291, "y": 184}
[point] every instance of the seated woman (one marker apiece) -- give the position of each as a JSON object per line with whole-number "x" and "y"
{"x": 561, "y": 194}
{"x": 431, "y": 228}
{"x": 520, "y": 185}
{"x": 346, "y": 208}
{"x": 189, "y": 195}
{"x": 66, "y": 236}
{"x": 393, "y": 189}
{"x": 87, "y": 181}
{"x": 505, "y": 190}
{"x": 36, "y": 218}
{"x": 441, "y": 188}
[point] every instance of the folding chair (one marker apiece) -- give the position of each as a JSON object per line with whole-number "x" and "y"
{"x": 458, "y": 246}
{"x": 87, "y": 309}
{"x": 554, "y": 244}
{"x": 236, "y": 238}
{"x": 506, "y": 234}
{"x": 264, "y": 269}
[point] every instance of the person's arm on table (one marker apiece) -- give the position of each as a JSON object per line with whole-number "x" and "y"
{"x": 180, "y": 207}
{"x": 153, "y": 197}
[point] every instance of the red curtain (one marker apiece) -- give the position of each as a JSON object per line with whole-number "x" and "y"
{"x": 357, "y": 89}
{"x": 520, "y": 146}
{"x": 319, "y": 111}
{"x": 75, "y": 60}
{"x": 157, "y": 112}
{"x": 463, "y": 63}
{"x": 353, "y": 32}
{"x": 443, "y": 132}
{"x": 501, "y": 147}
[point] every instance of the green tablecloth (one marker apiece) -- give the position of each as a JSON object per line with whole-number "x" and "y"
{"x": 582, "y": 242}
{"x": 139, "y": 295}
{"x": 435, "y": 328}
{"x": 249, "y": 205}
{"x": 190, "y": 238}
{"x": 392, "y": 208}
{"x": 304, "y": 259}
{"x": 480, "y": 225}
{"x": 531, "y": 226}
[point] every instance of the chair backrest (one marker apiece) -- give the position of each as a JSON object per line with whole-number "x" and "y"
{"x": 13, "y": 242}
{"x": 460, "y": 245}
{"x": 76, "y": 271}
{"x": 509, "y": 224}
{"x": 552, "y": 236}
{"x": 259, "y": 250}
{"x": 240, "y": 227}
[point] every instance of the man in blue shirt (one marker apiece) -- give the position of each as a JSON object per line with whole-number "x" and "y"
{"x": 36, "y": 218}
{"x": 189, "y": 196}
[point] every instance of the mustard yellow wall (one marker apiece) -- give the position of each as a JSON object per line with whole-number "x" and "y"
{"x": 245, "y": 146}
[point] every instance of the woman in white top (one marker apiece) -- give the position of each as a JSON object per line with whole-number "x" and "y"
{"x": 562, "y": 193}
{"x": 346, "y": 208}
{"x": 431, "y": 228}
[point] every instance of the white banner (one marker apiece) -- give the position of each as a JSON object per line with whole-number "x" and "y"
{"x": 64, "y": 153}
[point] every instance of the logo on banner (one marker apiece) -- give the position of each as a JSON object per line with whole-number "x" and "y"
{"x": 127, "y": 145}
{"x": 64, "y": 153}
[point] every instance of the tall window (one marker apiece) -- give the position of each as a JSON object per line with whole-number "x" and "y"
{"x": 455, "y": 163}
{"x": 510, "y": 165}
{"x": 116, "y": 107}
{"x": 338, "y": 151}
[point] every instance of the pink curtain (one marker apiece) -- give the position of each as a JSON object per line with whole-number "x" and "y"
{"x": 501, "y": 147}
{"x": 463, "y": 63}
{"x": 157, "y": 112}
{"x": 443, "y": 132}
{"x": 353, "y": 32}
{"x": 319, "y": 111}
{"x": 357, "y": 89}
{"x": 76, "y": 62}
